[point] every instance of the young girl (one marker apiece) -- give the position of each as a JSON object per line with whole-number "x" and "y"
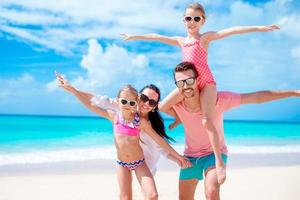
{"x": 127, "y": 127}
{"x": 194, "y": 49}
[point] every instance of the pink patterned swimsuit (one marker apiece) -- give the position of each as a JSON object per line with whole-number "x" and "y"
{"x": 195, "y": 53}
{"x": 128, "y": 129}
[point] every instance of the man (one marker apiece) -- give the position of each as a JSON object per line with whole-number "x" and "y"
{"x": 198, "y": 146}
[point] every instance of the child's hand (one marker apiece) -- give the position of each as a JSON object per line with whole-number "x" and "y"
{"x": 268, "y": 28}
{"x": 64, "y": 83}
{"x": 174, "y": 124}
{"x": 125, "y": 36}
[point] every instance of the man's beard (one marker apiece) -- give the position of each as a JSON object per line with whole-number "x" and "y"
{"x": 190, "y": 94}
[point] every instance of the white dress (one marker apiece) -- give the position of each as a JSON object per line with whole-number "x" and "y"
{"x": 152, "y": 151}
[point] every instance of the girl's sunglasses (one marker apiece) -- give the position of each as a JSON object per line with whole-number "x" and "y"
{"x": 189, "y": 18}
{"x": 126, "y": 101}
{"x": 145, "y": 98}
{"x": 189, "y": 81}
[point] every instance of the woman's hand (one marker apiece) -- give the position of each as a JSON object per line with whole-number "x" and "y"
{"x": 184, "y": 162}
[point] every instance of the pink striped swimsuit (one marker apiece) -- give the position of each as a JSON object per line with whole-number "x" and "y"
{"x": 195, "y": 53}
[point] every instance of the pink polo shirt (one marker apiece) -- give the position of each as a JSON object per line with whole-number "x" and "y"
{"x": 197, "y": 143}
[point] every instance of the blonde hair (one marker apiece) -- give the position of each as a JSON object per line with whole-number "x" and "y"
{"x": 130, "y": 89}
{"x": 197, "y": 6}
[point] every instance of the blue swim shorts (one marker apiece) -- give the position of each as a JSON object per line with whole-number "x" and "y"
{"x": 200, "y": 165}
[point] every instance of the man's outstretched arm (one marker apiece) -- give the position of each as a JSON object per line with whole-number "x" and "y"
{"x": 267, "y": 95}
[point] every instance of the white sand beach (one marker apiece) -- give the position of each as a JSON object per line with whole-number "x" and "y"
{"x": 272, "y": 183}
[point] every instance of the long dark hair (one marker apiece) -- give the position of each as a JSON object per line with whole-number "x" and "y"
{"x": 155, "y": 118}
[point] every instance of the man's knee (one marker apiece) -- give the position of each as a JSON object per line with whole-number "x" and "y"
{"x": 212, "y": 192}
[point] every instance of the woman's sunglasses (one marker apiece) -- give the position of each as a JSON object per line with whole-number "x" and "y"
{"x": 145, "y": 98}
{"x": 126, "y": 101}
{"x": 196, "y": 19}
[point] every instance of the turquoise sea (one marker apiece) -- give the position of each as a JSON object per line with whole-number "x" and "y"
{"x": 46, "y": 139}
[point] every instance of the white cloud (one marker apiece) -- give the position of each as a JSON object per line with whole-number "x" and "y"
{"x": 32, "y": 17}
{"x": 27, "y": 95}
{"x": 240, "y": 11}
{"x": 107, "y": 69}
{"x": 71, "y": 22}
{"x": 54, "y": 42}
{"x": 12, "y": 88}
{"x": 114, "y": 64}
{"x": 140, "y": 61}
{"x": 52, "y": 86}
{"x": 64, "y": 26}
{"x": 291, "y": 26}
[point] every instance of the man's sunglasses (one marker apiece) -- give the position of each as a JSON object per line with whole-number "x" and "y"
{"x": 189, "y": 81}
{"x": 126, "y": 101}
{"x": 145, "y": 98}
{"x": 196, "y": 19}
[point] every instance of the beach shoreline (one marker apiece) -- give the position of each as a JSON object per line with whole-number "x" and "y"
{"x": 235, "y": 161}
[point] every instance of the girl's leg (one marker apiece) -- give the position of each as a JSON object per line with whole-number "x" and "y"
{"x": 208, "y": 99}
{"x": 125, "y": 182}
{"x": 146, "y": 181}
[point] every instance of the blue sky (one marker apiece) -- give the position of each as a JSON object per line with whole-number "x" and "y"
{"x": 81, "y": 40}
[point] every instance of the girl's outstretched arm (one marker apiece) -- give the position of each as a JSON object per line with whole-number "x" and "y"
{"x": 174, "y": 40}
{"x": 83, "y": 97}
{"x": 210, "y": 36}
{"x": 267, "y": 96}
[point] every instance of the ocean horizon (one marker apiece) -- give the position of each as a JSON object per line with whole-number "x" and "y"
{"x": 36, "y": 139}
